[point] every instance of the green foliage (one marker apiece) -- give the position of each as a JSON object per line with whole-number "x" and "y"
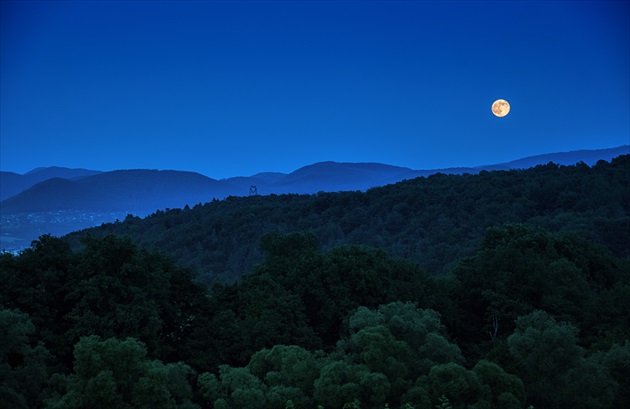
{"x": 505, "y": 390}
{"x": 209, "y": 386}
{"x": 110, "y": 289}
{"x": 400, "y": 341}
{"x": 301, "y": 296}
{"x": 544, "y": 350}
{"x": 117, "y": 374}
{"x": 341, "y": 383}
{"x": 555, "y": 369}
{"x": 290, "y": 366}
{"x": 617, "y": 361}
{"x": 459, "y": 385}
{"x": 416, "y": 397}
{"x": 372, "y": 365}
{"x": 541, "y": 318}
{"x": 355, "y": 404}
{"x": 434, "y": 221}
{"x": 36, "y": 282}
{"x": 444, "y": 403}
{"x": 24, "y": 362}
{"x": 519, "y": 269}
{"x": 242, "y": 388}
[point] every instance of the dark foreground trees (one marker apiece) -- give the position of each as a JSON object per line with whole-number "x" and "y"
{"x": 532, "y": 318}
{"x": 397, "y": 354}
{"x": 116, "y": 374}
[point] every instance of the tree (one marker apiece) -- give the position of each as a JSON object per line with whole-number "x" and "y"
{"x": 420, "y": 330}
{"x": 116, "y": 374}
{"x": 341, "y": 383}
{"x": 519, "y": 269}
{"x": 289, "y": 366}
{"x": 617, "y": 361}
{"x": 553, "y": 367}
{"x": 236, "y": 388}
{"x": 400, "y": 341}
{"x": 24, "y": 362}
{"x": 462, "y": 387}
{"x": 506, "y": 390}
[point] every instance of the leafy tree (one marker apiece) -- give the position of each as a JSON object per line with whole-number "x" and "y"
{"x": 236, "y": 387}
{"x": 110, "y": 288}
{"x": 505, "y": 390}
{"x": 290, "y": 366}
{"x": 462, "y": 387}
{"x": 341, "y": 383}
{"x": 544, "y": 350}
{"x": 416, "y": 397}
{"x": 35, "y": 282}
{"x": 617, "y": 361}
{"x": 554, "y": 368}
{"x": 117, "y": 374}
{"x": 400, "y": 341}
{"x": 24, "y": 362}
{"x": 519, "y": 269}
{"x": 377, "y": 348}
{"x": 122, "y": 291}
{"x": 301, "y": 296}
{"x": 209, "y": 386}
{"x": 420, "y": 330}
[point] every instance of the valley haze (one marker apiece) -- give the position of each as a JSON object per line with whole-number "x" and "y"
{"x": 59, "y": 200}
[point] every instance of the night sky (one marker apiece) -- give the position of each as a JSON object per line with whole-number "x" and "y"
{"x": 235, "y": 88}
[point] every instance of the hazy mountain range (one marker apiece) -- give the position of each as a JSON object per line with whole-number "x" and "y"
{"x": 144, "y": 191}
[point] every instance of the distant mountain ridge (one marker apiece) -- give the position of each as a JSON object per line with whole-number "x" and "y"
{"x": 13, "y": 183}
{"x": 144, "y": 191}
{"x": 589, "y": 157}
{"x": 121, "y": 190}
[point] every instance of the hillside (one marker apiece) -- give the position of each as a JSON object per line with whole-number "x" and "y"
{"x": 140, "y": 191}
{"x": 12, "y": 183}
{"x": 531, "y": 318}
{"x": 589, "y": 157}
{"x": 144, "y": 191}
{"x": 56, "y": 194}
{"x": 435, "y": 220}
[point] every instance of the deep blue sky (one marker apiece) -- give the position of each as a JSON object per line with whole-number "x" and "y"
{"x": 236, "y": 88}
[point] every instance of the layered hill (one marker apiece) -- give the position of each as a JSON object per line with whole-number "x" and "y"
{"x": 144, "y": 191}
{"x": 13, "y": 183}
{"x": 129, "y": 190}
{"x": 433, "y": 220}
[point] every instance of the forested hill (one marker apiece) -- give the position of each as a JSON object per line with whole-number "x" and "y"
{"x": 434, "y": 221}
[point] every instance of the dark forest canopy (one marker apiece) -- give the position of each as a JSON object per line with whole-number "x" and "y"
{"x": 521, "y": 314}
{"x": 531, "y": 318}
{"x": 433, "y": 221}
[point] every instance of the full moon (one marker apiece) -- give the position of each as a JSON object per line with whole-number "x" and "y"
{"x": 500, "y": 108}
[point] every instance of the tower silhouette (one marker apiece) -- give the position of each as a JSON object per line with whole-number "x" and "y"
{"x": 253, "y": 190}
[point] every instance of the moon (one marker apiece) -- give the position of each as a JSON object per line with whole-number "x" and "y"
{"x": 500, "y": 108}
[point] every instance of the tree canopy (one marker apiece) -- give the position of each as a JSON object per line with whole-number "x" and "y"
{"x": 434, "y": 221}
{"x": 531, "y": 316}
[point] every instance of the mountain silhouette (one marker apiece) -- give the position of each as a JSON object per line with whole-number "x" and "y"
{"x": 589, "y": 157}
{"x": 144, "y": 191}
{"x": 335, "y": 176}
{"x": 139, "y": 191}
{"x": 14, "y": 183}
{"x": 56, "y": 194}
